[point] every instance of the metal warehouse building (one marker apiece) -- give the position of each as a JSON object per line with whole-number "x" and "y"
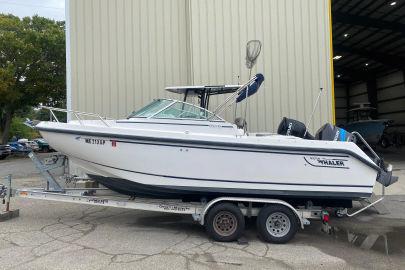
{"x": 123, "y": 53}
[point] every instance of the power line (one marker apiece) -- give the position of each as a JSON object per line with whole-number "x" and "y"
{"x": 29, "y": 5}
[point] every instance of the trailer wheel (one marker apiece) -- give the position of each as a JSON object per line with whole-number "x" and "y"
{"x": 277, "y": 224}
{"x": 225, "y": 222}
{"x": 340, "y": 212}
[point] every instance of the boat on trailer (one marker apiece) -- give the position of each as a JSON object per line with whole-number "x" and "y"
{"x": 214, "y": 169}
{"x": 175, "y": 149}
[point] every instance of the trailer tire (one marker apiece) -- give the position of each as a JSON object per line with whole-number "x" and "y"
{"x": 225, "y": 222}
{"x": 277, "y": 224}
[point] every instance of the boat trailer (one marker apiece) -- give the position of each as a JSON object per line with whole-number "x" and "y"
{"x": 223, "y": 217}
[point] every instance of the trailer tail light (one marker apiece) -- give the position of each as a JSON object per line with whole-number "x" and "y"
{"x": 325, "y": 216}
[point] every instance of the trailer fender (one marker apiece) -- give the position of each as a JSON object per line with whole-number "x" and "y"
{"x": 206, "y": 208}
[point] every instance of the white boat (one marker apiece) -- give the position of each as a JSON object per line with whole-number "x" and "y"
{"x": 174, "y": 149}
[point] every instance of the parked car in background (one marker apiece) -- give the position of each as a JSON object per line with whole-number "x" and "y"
{"x": 5, "y": 151}
{"x": 32, "y": 145}
{"x": 43, "y": 145}
{"x": 18, "y": 148}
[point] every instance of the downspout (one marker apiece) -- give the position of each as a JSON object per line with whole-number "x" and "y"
{"x": 189, "y": 37}
{"x": 68, "y": 60}
{"x": 332, "y": 75}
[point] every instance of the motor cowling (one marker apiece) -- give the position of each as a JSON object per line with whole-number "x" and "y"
{"x": 291, "y": 127}
{"x": 330, "y": 132}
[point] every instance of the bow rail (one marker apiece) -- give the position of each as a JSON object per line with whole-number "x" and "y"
{"x": 77, "y": 114}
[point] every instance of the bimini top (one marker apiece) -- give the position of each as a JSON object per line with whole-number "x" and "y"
{"x": 203, "y": 89}
{"x": 204, "y": 92}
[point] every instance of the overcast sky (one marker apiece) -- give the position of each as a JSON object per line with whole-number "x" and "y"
{"x": 53, "y": 9}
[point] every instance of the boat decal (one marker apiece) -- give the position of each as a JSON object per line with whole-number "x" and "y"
{"x": 317, "y": 161}
{"x": 97, "y": 201}
{"x": 223, "y": 180}
{"x": 173, "y": 207}
{"x": 94, "y": 141}
{"x": 97, "y": 141}
{"x": 176, "y": 142}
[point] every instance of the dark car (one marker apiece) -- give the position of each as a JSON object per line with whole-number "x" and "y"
{"x": 5, "y": 151}
{"x": 43, "y": 145}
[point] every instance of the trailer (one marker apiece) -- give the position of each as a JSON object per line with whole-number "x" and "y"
{"x": 223, "y": 217}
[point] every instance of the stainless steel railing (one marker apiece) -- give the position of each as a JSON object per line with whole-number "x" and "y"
{"x": 76, "y": 114}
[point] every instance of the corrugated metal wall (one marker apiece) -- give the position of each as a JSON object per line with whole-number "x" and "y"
{"x": 390, "y": 97}
{"x": 295, "y": 57}
{"x": 358, "y": 93}
{"x": 341, "y": 103}
{"x": 123, "y": 53}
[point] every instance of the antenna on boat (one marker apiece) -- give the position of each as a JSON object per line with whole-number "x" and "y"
{"x": 236, "y": 104}
{"x": 313, "y": 111}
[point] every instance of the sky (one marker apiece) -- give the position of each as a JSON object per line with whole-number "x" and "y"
{"x": 52, "y": 9}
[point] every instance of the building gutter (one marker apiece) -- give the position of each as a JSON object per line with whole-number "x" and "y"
{"x": 68, "y": 60}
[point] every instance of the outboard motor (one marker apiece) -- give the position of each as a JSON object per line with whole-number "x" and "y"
{"x": 329, "y": 132}
{"x": 291, "y": 127}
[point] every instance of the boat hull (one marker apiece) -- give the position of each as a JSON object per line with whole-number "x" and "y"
{"x": 187, "y": 168}
{"x": 135, "y": 189}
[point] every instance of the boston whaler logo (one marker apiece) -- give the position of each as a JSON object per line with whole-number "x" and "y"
{"x": 326, "y": 162}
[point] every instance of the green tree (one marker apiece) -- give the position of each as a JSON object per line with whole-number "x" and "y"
{"x": 32, "y": 66}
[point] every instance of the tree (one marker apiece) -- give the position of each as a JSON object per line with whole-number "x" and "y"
{"x": 32, "y": 66}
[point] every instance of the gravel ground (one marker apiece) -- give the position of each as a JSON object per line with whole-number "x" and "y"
{"x": 52, "y": 235}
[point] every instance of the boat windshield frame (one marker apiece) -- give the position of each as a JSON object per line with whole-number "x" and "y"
{"x": 210, "y": 116}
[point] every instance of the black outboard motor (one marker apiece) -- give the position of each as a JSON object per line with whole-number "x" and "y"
{"x": 329, "y": 132}
{"x": 291, "y": 127}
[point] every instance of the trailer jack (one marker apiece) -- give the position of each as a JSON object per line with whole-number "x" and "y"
{"x": 5, "y": 195}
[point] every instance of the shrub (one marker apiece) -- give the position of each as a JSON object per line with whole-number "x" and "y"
{"x": 19, "y": 130}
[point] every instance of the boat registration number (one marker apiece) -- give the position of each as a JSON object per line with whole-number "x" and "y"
{"x": 94, "y": 141}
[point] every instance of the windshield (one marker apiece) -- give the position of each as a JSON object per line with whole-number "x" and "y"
{"x": 171, "y": 109}
{"x": 185, "y": 110}
{"x": 151, "y": 109}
